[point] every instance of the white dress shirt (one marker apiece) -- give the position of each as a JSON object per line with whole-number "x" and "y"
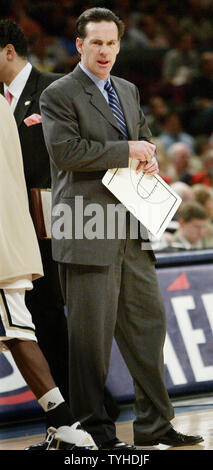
{"x": 17, "y": 85}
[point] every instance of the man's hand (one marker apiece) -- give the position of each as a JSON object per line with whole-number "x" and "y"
{"x": 151, "y": 168}
{"x": 144, "y": 152}
{"x": 141, "y": 150}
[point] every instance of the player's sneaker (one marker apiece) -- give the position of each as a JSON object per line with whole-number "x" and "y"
{"x": 66, "y": 438}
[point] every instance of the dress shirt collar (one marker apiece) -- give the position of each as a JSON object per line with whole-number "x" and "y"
{"x": 99, "y": 82}
{"x": 17, "y": 85}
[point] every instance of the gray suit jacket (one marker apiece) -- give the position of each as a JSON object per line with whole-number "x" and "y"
{"x": 84, "y": 140}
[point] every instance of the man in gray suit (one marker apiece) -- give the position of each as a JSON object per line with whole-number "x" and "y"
{"x": 92, "y": 122}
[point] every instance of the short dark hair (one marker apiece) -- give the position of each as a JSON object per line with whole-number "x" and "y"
{"x": 96, "y": 15}
{"x": 191, "y": 210}
{"x": 11, "y": 33}
{"x": 202, "y": 193}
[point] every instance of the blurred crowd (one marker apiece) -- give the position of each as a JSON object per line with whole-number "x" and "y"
{"x": 167, "y": 51}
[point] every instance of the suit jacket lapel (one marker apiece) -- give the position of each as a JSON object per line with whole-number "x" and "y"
{"x": 97, "y": 99}
{"x": 26, "y": 97}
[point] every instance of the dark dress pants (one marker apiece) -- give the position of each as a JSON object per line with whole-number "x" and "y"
{"x": 121, "y": 300}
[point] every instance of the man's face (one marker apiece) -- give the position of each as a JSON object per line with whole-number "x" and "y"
{"x": 181, "y": 160}
{"x": 173, "y": 124}
{"x": 99, "y": 48}
{"x": 194, "y": 230}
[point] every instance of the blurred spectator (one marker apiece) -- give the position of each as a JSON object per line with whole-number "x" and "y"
{"x": 181, "y": 63}
{"x": 193, "y": 226}
{"x": 206, "y": 175}
{"x": 136, "y": 31}
{"x": 184, "y": 191}
{"x": 199, "y": 95}
{"x": 148, "y": 32}
{"x": 131, "y": 41}
{"x": 158, "y": 109}
{"x": 154, "y": 33}
{"x": 202, "y": 145}
{"x": 45, "y": 52}
{"x": 38, "y": 56}
{"x": 187, "y": 195}
{"x": 162, "y": 158}
{"x": 173, "y": 132}
{"x": 202, "y": 122}
{"x": 179, "y": 155}
{"x": 201, "y": 87}
{"x": 197, "y": 18}
{"x": 55, "y": 50}
{"x": 204, "y": 196}
{"x": 68, "y": 37}
{"x": 172, "y": 27}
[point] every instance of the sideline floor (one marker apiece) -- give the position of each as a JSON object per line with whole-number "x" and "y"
{"x": 191, "y": 417}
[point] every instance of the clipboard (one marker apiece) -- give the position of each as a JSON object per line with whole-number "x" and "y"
{"x": 149, "y": 198}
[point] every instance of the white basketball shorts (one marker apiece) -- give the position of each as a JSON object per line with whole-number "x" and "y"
{"x": 15, "y": 318}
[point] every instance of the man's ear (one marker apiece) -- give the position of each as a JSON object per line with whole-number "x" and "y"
{"x": 10, "y": 52}
{"x": 119, "y": 46}
{"x": 79, "y": 43}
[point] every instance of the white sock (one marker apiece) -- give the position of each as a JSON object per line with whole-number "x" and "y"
{"x": 51, "y": 399}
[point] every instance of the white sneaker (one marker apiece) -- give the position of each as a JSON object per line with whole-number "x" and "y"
{"x": 69, "y": 437}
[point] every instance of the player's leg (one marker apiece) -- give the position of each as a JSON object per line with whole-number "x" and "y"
{"x": 36, "y": 372}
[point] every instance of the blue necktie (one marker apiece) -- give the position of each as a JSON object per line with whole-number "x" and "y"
{"x": 116, "y": 109}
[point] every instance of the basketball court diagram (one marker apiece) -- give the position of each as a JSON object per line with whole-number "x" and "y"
{"x": 149, "y": 198}
{"x": 150, "y": 189}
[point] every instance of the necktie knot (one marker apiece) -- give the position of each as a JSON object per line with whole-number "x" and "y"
{"x": 8, "y": 96}
{"x": 108, "y": 87}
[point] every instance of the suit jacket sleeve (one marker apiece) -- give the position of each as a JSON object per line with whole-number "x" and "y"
{"x": 67, "y": 147}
